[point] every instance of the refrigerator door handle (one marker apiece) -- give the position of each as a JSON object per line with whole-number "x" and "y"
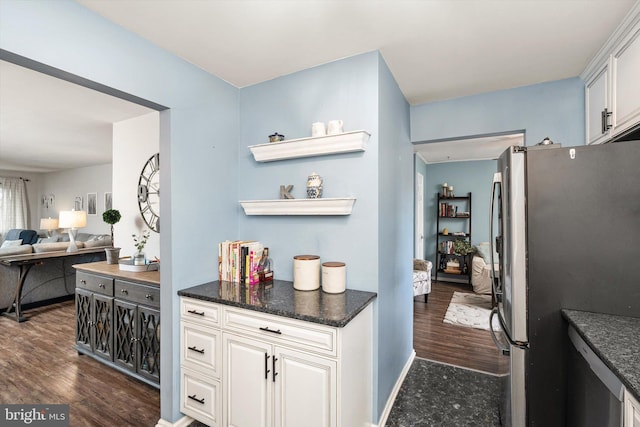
{"x": 504, "y": 349}
{"x": 503, "y": 327}
{"x": 497, "y": 183}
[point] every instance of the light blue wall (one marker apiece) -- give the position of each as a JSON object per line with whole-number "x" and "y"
{"x": 344, "y": 90}
{"x": 198, "y": 147}
{"x": 554, "y": 109}
{"x": 395, "y": 225}
{"x": 466, "y": 177}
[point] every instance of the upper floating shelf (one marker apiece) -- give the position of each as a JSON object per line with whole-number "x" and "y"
{"x": 314, "y": 146}
{"x": 335, "y": 206}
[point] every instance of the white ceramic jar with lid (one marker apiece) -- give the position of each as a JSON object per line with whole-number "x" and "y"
{"x": 306, "y": 272}
{"x": 334, "y": 277}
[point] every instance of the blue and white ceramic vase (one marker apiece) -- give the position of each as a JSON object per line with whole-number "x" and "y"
{"x": 314, "y": 186}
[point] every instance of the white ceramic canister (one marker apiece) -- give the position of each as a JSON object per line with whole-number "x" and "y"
{"x": 306, "y": 272}
{"x": 334, "y": 277}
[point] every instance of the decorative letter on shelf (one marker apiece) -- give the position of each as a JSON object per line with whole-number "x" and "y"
{"x": 285, "y": 193}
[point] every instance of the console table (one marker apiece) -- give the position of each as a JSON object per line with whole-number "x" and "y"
{"x": 26, "y": 261}
{"x": 118, "y": 319}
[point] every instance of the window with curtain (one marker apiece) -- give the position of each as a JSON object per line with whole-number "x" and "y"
{"x": 13, "y": 204}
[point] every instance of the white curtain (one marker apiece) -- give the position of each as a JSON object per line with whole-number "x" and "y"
{"x": 13, "y": 204}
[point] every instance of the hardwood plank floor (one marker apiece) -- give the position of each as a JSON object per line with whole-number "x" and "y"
{"x": 39, "y": 365}
{"x": 456, "y": 345}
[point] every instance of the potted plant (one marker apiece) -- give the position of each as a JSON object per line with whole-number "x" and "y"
{"x": 463, "y": 247}
{"x": 139, "y": 242}
{"x": 112, "y": 216}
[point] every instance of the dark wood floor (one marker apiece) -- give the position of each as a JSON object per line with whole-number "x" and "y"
{"x": 456, "y": 345}
{"x": 39, "y": 365}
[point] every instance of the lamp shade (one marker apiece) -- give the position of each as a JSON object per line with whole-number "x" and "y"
{"x": 48, "y": 223}
{"x": 73, "y": 219}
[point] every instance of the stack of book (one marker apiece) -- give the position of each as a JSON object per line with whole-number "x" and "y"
{"x": 240, "y": 261}
{"x": 447, "y": 209}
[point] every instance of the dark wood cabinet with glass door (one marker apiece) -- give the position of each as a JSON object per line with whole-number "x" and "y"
{"x": 118, "y": 321}
{"x": 453, "y": 222}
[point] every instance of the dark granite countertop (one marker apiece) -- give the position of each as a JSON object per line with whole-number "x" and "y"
{"x": 615, "y": 340}
{"x": 282, "y": 300}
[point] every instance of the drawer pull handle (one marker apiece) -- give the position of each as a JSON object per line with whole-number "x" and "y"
{"x": 194, "y": 348}
{"x": 101, "y": 285}
{"x": 196, "y": 399}
{"x": 271, "y": 330}
{"x": 149, "y": 296}
{"x": 84, "y": 282}
{"x": 199, "y": 313}
{"x": 124, "y": 291}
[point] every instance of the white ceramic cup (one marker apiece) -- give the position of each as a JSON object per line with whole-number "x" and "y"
{"x": 318, "y": 129}
{"x": 334, "y": 127}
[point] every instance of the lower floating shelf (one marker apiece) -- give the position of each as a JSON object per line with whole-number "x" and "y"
{"x": 329, "y": 206}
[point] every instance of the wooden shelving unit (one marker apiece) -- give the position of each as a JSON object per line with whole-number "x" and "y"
{"x": 462, "y": 222}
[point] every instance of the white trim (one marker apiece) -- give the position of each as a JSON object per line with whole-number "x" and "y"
{"x": 396, "y": 389}
{"x": 328, "y": 206}
{"x": 182, "y": 422}
{"x": 315, "y": 146}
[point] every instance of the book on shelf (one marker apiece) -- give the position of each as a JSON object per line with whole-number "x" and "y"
{"x": 240, "y": 261}
{"x": 447, "y": 210}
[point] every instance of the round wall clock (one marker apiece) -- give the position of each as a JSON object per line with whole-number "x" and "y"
{"x": 149, "y": 192}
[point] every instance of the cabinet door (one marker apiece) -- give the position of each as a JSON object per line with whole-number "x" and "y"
{"x": 102, "y": 321}
{"x": 148, "y": 340}
{"x": 124, "y": 334}
{"x": 83, "y": 319}
{"x": 631, "y": 411}
{"x": 305, "y": 390}
{"x": 596, "y": 100}
{"x": 626, "y": 84}
{"x": 247, "y": 382}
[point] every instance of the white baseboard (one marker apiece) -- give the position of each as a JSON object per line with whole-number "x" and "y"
{"x": 182, "y": 422}
{"x": 396, "y": 389}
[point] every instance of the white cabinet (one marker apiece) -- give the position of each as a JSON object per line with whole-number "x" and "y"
{"x": 625, "y": 72}
{"x": 631, "y": 411}
{"x": 597, "y": 105}
{"x": 612, "y": 87}
{"x": 244, "y": 368}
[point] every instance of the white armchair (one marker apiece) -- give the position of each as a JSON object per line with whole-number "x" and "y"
{"x": 421, "y": 278}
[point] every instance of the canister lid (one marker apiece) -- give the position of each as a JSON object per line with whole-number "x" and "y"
{"x": 306, "y": 257}
{"x": 333, "y": 264}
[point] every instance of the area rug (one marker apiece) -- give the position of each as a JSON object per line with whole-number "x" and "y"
{"x": 471, "y": 310}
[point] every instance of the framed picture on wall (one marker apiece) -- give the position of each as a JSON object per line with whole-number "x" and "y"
{"x": 108, "y": 201}
{"x": 92, "y": 203}
{"x": 77, "y": 203}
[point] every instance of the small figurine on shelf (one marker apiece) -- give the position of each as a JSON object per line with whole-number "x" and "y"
{"x": 450, "y": 192}
{"x": 445, "y": 190}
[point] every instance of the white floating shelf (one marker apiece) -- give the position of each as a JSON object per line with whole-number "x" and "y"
{"x": 335, "y": 206}
{"x": 307, "y": 147}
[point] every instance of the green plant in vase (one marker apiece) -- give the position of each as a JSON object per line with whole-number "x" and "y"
{"x": 139, "y": 241}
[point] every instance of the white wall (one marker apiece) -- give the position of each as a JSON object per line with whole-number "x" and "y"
{"x": 66, "y": 185}
{"x": 134, "y": 141}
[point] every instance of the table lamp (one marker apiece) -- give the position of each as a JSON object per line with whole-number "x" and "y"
{"x": 73, "y": 220}
{"x": 49, "y": 224}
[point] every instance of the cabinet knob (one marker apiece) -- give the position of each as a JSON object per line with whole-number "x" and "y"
{"x": 149, "y": 296}
{"x": 101, "y": 285}
{"x": 124, "y": 291}
{"x": 84, "y": 282}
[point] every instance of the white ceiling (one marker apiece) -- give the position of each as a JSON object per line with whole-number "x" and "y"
{"x": 436, "y": 49}
{"x": 479, "y": 148}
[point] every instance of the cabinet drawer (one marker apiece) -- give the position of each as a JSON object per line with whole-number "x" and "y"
{"x": 94, "y": 283}
{"x": 294, "y": 333}
{"x": 201, "y": 397}
{"x": 201, "y": 312}
{"x": 200, "y": 348}
{"x": 135, "y": 292}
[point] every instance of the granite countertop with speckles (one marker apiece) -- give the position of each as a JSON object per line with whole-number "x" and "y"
{"x": 615, "y": 340}
{"x": 282, "y": 299}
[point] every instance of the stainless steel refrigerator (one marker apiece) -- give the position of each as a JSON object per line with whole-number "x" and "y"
{"x": 566, "y": 228}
